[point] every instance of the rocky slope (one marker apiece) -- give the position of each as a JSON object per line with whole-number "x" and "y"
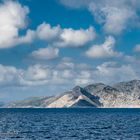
{"x": 120, "y": 95}
{"x": 124, "y": 94}
{"x": 78, "y": 97}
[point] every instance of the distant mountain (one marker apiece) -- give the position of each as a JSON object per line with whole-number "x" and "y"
{"x": 78, "y": 97}
{"x": 2, "y": 104}
{"x": 99, "y": 95}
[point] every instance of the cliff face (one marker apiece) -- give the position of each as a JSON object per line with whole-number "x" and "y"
{"x": 124, "y": 94}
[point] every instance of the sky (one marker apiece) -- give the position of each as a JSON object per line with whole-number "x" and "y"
{"x": 48, "y": 47}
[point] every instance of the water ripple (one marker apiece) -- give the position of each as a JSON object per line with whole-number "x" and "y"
{"x": 69, "y": 124}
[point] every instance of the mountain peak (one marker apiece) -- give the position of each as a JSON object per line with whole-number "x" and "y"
{"x": 77, "y": 89}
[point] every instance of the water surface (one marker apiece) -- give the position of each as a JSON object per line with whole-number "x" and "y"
{"x": 70, "y": 124}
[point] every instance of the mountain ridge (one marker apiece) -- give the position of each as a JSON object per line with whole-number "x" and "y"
{"x": 98, "y": 95}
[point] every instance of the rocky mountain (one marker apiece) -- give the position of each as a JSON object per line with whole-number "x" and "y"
{"x": 99, "y": 95}
{"x": 77, "y": 97}
{"x": 120, "y": 95}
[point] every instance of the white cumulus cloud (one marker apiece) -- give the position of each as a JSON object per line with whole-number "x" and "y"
{"x": 47, "y": 32}
{"x": 37, "y": 75}
{"x": 13, "y": 18}
{"x": 110, "y": 72}
{"x": 104, "y": 50}
{"x": 45, "y": 53}
{"x": 76, "y": 38}
{"x": 61, "y": 37}
{"x": 115, "y": 16}
{"x": 137, "y": 48}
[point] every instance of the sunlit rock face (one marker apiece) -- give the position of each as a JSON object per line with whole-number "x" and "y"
{"x": 99, "y": 95}
{"x": 123, "y": 94}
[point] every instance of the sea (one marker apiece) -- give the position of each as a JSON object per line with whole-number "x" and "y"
{"x": 70, "y": 124}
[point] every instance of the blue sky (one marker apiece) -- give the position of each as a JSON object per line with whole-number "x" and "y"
{"x": 47, "y": 47}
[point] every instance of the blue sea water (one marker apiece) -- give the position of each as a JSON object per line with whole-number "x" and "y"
{"x": 70, "y": 124}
